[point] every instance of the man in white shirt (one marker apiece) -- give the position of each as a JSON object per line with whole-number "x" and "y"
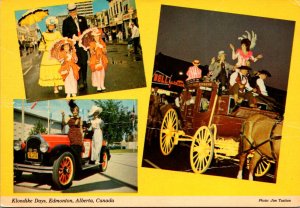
{"x": 240, "y": 87}
{"x": 135, "y": 36}
{"x": 259, "y": 82}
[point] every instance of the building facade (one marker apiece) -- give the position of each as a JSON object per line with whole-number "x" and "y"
{"x": 85, "y": 8}
{"x": 118, "y": 17}
{"x": 30, "y": 119}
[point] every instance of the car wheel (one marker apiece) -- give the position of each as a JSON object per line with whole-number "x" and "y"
{"x": 63, "y": 171}
{"x": 104, "y": 162}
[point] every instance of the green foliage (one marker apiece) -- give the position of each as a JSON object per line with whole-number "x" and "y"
{"x": 38, "y": 128}
{"x": 117, "y": 118}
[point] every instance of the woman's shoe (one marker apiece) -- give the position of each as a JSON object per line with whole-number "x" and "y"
{"x": 97, "y": 163}
{"x": 68, "y": 96}
{"x": 74, "y": 95}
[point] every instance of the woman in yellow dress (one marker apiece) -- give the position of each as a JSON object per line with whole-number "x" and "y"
{"x": 49, "y": 75}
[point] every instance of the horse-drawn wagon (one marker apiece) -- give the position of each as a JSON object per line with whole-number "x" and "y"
{"x": 211, "y": 124}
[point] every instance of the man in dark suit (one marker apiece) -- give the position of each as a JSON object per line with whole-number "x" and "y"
{"x": 73, "y": 27}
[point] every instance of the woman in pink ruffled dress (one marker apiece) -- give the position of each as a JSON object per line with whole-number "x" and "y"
{"x": 244, "y": 54}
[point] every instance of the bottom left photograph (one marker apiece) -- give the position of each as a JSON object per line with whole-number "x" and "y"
{"x": 73, "y": 146}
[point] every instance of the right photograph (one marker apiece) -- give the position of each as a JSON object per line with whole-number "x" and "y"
{"x": 218, "y": 94}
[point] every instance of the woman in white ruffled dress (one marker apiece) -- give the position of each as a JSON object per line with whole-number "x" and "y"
{"x": 96, "y": 124}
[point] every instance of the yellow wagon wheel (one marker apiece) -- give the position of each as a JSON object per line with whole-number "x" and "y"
{"x": 202, "y": 148}
{"x": 262, "y": 167}
{"x": 168, "y": 129}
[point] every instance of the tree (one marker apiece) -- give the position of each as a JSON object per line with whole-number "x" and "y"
{"x": 117, "y": 120}
{"x": 38, "y": 128}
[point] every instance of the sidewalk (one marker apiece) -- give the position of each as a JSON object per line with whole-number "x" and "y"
{"x": 124, "y": 42}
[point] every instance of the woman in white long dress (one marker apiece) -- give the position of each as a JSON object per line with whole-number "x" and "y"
{"x": 96, "y": 124}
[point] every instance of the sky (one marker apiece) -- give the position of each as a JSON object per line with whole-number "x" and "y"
{"x": 57, "y": 106}
{"x": 98, "y": 5}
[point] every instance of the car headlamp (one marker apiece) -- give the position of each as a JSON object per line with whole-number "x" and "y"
{"x": 44, "y": 147}
{"x": 17, "y": 145}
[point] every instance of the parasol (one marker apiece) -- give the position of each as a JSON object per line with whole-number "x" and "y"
{"x": 56, "y": 47}
{"x": 33, "y": 16}
{"x": 86, "y": 38}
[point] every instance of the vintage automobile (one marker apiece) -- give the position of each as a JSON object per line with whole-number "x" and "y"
{"x": 52, "y": 154}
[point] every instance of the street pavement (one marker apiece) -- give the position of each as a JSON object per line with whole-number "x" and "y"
{"x": 120, "y": 177}
{"x": 125, "y": 71}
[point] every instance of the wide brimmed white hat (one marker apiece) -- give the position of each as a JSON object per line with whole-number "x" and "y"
{"x": 95, "y": 109}
{"x": 51, "y": 20}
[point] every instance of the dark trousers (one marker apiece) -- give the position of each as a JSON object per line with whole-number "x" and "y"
{"x": 77, "y": 150}
{"x": 236, "y": 91}
{"x": 136, "y": 45}
{"x": 82, "y": 63}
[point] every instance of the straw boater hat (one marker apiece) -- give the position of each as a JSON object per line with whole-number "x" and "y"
{"x": 51, "y": 20}
{"x": 72, "y": 7}
{"x": 95, "y": 109}
{"x": 196, "y": 62}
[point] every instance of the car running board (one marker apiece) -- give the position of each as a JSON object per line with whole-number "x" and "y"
{"x": 84, "y": 167}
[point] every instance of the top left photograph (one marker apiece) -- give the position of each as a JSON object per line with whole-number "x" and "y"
{"x": 79, "y": 49}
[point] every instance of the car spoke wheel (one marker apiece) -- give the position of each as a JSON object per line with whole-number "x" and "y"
{"x": 202, "y": 148}
{"x": 262, "y": 167}
{"x": 168, "y": 129}
{"x": 63, "y": 171}
{"x": 104, "y": 163}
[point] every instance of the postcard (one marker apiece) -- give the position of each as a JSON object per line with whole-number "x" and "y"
{"x": 148, "y": 58}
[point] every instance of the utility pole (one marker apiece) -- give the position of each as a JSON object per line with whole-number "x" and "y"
{"x": 23, "y": 121}
{"x": 48, "y": 116}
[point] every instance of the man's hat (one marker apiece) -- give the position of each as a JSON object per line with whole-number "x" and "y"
{"x": 221, "y": 52}
{"x": 196, "y": 62}
{"x": 245, "y": 67}
{"x": 72, "y": 7}
{"x": 265, "y": 72}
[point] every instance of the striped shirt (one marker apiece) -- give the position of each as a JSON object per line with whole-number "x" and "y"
{"x": 194, "y": 73}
